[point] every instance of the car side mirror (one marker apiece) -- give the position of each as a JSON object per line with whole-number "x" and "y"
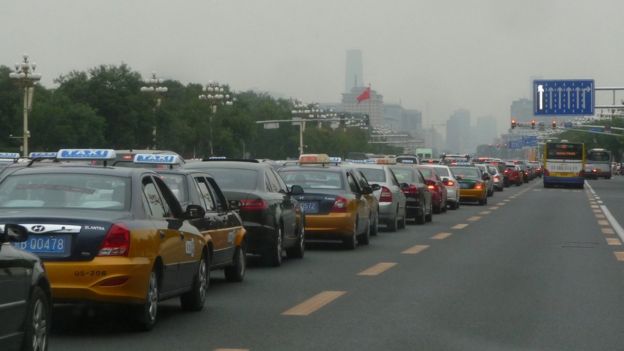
{"x": 14, "y": 233}
{"x": 234, "y": 205}
{"x": 375, "y": 187}
{"x": 194, "y": 212}
{"x": 296, "y": 190}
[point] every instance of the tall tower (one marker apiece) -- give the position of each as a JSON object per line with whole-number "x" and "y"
{"x": 354, "y": 70}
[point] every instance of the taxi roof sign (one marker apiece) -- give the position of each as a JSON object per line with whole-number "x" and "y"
{"x": 86, "y": 154}
{"x": 41, "y": 155}
{"x": 9, "y": 155}
{"x": 314, "y": 159}
{"x": 161, "y": 159}
{"x": 386, "y": 161}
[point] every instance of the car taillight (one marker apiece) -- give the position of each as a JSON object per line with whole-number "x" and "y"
{"x": 253, "y": 205}
{"x": 116, "y": 242}
{"x": 340, "y": 204}
{"x": 506, "y": 171}
{"x": 496, "y": 178}
{"x": 478, "y": 186}
{"x": 411, "y": 190}
{"x": 386, "y": 195}
{"x": 450, "y": 183}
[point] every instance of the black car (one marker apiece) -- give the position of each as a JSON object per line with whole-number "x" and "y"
{"x": 419, "y": 205}
{"x": 271, "y": 215}
{"x": 25, "y": 299}
{"x": 221, "y": 223}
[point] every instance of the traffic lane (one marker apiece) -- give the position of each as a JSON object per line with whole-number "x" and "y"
{"x": 533, "y": 277}
{"x": 245, "y": 315}
{"x": 609, "y": 193}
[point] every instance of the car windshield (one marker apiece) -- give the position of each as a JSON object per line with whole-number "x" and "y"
{"x": 177, "y": 184}
{"x": 70, "y": 190}
{"x": 313, "y": 179}
{"x": 403, "y": 175}
{"x": 234, "y": 178}
{"x": 374, "y": 175}
{"x": 466, "y": 172}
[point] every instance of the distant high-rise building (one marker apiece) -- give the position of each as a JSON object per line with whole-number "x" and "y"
{"x": 400, "y": 119}
{"x": 458, "y": 132}
{"x": 354, "y": 70}
{"x": 521, "y": 110}
{"x": 485, "y": 130}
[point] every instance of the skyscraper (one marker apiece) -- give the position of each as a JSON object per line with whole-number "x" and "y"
{"x": 458, "y": 132}
{"x": 354, "y": 70}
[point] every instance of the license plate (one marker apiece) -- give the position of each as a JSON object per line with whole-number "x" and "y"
{"x": 465, "y": 185}
{"x": 47, "y": 245}
{"x": 310, "y": 207}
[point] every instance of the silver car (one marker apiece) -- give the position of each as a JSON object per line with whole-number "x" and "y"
{"x": 489, "y": 181}
{"x": 390, "y": 196}
{"x": 451, "y": 184}
{"x": 497, "y": 178}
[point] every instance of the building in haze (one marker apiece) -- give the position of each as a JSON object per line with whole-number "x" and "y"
{"x": 521, "y": 110}
{"x": 458, "y": 132}
{"x": 398, "y": 118}
{"x": 372, "y": 106}
{"x": 354, "y": 70}
{"x": 485, "y": 131}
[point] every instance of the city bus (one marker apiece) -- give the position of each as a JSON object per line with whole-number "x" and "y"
{"x": 598, "y": 164}
{"x": 564, "y": 164}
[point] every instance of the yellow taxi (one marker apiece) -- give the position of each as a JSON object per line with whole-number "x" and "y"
{"x": 472, "y": 186}
{"x": 338, "y": 202}
{"x": 108, "y": 234}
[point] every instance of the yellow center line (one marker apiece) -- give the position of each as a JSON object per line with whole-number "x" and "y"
{"x": 222, "y": 349}
{"x": 614, "y": 242}
{"x": 494, "y": 208}
{"x": 594, "y": 206}
{"x": 619, "y": 255}
{"x": 603, "y": 222}
{"x": 459, "y": 226}
{"x": 606, "y": 230}
{"x": 485, "y": 212}
{"x": 415, "y": 249}
{"x": 597, "y": 210}
{"x": 474, "y": 218}
{"x": 441, "y": 236}
{"x": 378, "y": 268}
{"x": 314, "y": 303}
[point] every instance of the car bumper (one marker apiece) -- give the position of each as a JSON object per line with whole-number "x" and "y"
{"x": 387, "y": 211}
{"x": 329, "y": 226}
{"x": 99, "y": 280}
{"x": 472, "y": 194}
{"x": 452, "y": 194}
{"x": 549, "y": 180}
{"x": 412, "y": 207}
{"x": 259, "y": 237}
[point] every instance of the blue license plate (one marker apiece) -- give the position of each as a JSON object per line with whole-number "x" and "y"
{"x": 310, "y": 207}
{"x": 47, "y": 245}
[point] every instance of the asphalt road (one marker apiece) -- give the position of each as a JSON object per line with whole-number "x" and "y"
{"x": 535, "y": 269}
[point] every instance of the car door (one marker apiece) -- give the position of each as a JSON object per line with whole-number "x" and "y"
{"x": 217, "y": 223}
{"x": 287, "y": 204}
{"x": 371, "y": 200}
{"x": 397, "y": 193}
{"x": 171, "y": 248}
{"x": 362, "y": 205}
{"x": 14, "y": 285}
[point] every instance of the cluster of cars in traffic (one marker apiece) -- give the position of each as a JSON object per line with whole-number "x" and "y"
{"x": 138, "y": 227}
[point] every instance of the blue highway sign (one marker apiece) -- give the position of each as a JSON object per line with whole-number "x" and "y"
{"x": 515, "y": 144}
{"x": 530, "y": 140}
{"x": 563, "y": 97}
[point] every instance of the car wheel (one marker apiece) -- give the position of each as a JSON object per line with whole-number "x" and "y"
{"x": 236, "y": 272}
{"x": 274, "y": 256}
{"x": 299, "y": 249}
{"x": 421, "y": 216}
{"x": 393, "y": 224}
{"x": 350, "y": 242}
{"x": 364, "y": 239}
{"x": 37, "y": 322}
{"x": 444, "y": 207}
{"x": 147, "y": 313}
{"x": 429, "y": 217}
{"x": 375, "y": 225}
{"x": 194, "y": 300}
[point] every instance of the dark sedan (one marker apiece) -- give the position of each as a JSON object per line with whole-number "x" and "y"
{"x": 419, "y": 204}
{"x": 271, "y": 216}
{"x": 437, "y": 188}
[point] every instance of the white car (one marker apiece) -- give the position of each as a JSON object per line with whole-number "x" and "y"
{"x": 451, "y": 184}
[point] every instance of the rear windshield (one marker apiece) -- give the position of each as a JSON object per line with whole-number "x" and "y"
{"x": 72, "y": 190}
{"x": 404, "y": 175}
{"x": 599, "y": 156}
{"x": 563, "y": 151}
{"x": 234, "y": 178}
{"x": 374, "y": 175}
{"x": 466, "y": 172}
{"x": 426, "y": 172}
{"x": 313, "y": 179}
{"x": 442, "y": 171}
{"x": 177, "y": 184}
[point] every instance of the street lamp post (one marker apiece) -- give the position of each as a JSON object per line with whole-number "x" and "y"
{"x": 26, "y": 78}
{"x": 153, "y": 86}
{"x": 215, "y": 94}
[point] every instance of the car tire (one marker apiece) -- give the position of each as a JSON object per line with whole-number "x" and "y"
{"x": 236, "y": 272}
{"x": 429, "y": 217}
{"x": 146, "y": 314}
{"x": 375, "y": 225}
{"x": 195, "y": 299}
{"x": 297, "y": 251}
{"x": 393, "y": 224}
{"x": 350, "y": 242}
{"x": 403, "y": 221}
{"x": 364, "y": 239}
{"x": 274, "y": 255}
{"x": 421, "y": 216}
{"x": 37, "y": 328}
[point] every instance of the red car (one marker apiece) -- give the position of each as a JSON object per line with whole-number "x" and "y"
{"x": 514, "y": 174}
{"x": 436, "y": 187}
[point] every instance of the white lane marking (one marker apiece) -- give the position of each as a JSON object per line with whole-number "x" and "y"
{"x": 614, "y": 223}
{"x": 599, "y": 201}
{"x": 590, "y": 188}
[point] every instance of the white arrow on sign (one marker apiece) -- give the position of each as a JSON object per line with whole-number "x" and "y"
{"x": 540, "y": 93}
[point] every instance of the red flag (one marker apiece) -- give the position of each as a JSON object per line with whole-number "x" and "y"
{"x": 365, "y": 95}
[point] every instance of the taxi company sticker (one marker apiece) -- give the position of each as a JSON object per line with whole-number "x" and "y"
{"x": 231, "y": 235}
{"x": 190, "y": 247}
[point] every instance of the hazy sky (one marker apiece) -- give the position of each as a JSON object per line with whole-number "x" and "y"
{"x": 433, "y": 55}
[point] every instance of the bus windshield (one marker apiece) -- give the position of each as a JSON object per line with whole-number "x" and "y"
{"x": 598, "y": 156}
{"x": 564, "y": 151}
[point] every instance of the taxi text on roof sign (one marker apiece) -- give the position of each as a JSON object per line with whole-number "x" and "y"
{"x": 34, "y": 155}
{"x": 86, "y": 154}
{"x": 9, "y": 155}
{"x": 163, "y": 159}
{"x": 314, "y": 158}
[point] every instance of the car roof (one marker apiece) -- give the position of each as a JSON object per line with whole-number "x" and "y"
{"x": 226, "y": 164}
{"x": 84, "y": 169}
{"x": 369, "y": 166}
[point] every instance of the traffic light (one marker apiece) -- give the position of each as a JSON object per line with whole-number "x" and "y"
{"x": 513, "y": 123}
{"x": 554, "y": 124}
{"x": 532, "y": 124}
